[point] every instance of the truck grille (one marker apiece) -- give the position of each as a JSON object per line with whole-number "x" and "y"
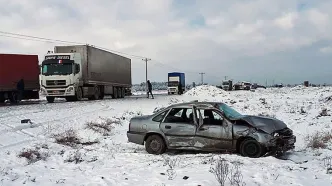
{"x": 55, "y": 82}
{"x": 56, "y": 92}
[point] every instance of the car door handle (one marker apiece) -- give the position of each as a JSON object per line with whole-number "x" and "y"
{"x": 168, "y": 127}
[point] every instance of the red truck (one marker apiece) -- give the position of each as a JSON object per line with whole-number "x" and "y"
{"x": 13, "y": 68}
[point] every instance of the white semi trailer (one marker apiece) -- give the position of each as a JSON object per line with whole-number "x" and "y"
{"x": 83, "y": 71}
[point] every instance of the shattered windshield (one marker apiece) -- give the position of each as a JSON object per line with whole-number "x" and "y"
{"x": 230, "y": 112}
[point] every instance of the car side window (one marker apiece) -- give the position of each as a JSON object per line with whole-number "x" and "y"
{"x": 160, "y": 116}
{"x": 180, "y": 115}
{"x": 211, "y": 117}
{"x": 217, "y": 116}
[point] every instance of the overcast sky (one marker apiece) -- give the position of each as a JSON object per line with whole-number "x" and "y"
{"x": 285, "y": 41}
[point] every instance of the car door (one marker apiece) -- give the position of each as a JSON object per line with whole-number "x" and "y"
{"x": 178, "y": 128}
{"x": 213, "y": 132}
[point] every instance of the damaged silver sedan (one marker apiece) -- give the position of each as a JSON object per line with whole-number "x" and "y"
{"x": 210, "y": 126}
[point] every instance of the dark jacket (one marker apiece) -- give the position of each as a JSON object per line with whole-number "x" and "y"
{"x": 149, "y": 86}
{"x": 20, "y": 85}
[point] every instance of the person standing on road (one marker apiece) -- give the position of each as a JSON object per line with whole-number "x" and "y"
{"x": 150, "y": 89}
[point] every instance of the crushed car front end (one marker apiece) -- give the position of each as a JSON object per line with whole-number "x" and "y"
{"x": 283, "y": 140}
{"x": 273, "y": 134}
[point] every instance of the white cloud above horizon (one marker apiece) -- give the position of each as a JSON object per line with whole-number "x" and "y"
{"x": 255, "y": 40}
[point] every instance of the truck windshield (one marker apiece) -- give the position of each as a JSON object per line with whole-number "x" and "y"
{"x": 57, "y": 69}
{"x": 225, "y": 83}
{"x": 173, "y": 83}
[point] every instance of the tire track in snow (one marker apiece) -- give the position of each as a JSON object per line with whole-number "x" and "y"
{"x": 16, "y": 115}
{"x": 20, "y": 130}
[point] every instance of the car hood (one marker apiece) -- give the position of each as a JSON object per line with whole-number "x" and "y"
{"x": 266, "y": 124}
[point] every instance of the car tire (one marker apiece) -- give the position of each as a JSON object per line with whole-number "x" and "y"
{"x": 251, "y": 148}
{"x": 154, "y": 144}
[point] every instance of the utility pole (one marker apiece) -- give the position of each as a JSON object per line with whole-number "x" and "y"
{"x": 146, "y": 75}
{"x": 225, "y": 78}
{"x": 202, "y": 74}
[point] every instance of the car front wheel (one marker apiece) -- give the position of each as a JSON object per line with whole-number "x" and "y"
{"x": 251, "y": 148}
{"x": 154, "y": 144}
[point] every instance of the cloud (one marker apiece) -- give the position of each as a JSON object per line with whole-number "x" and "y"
{"x": 327, "y": 49}
{"x": 239, "y": 39}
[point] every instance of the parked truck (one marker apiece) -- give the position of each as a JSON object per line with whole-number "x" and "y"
{"x": 83, "y": 71}
{"x": 15, "y": 68}
{"x": 227, "y": 85}
{"x": 174, "y": 80}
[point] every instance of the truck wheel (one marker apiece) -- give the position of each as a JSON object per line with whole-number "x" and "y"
{"x": 120, "y": 92}
{"x": 251, "y": 148}
{"x": 50, "y": 99}
{"x": 115, "y": 93}
{"x": 155, "y": 145}
{"x": 123, "y": 92}
{"x": 79, "y": 94}
{"x": 2, "y": 98}
{"x": 101, "y": 92}
{"x": 13, "y": 98}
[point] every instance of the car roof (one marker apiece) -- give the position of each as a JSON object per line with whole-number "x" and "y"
{"x": 195, "y": 103}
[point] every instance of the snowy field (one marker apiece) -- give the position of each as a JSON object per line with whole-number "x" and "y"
{"x": 32, "y": 156}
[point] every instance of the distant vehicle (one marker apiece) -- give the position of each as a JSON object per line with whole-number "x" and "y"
{"x": 210, "y": 126}
{"x": 243, "y": 85}
{"x": 13, "y": 68}
{"x": 83, "y": 71}
{"x": 174, "y": 79}
{"x": 255, "y": 86}
{"x": 237, "y": 86}
{"x": 279, "y": 85}
{"x": 227, "y": 85}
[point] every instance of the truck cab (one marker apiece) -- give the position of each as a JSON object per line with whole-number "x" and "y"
{"x": 60, "y": 75}
{"x": 227, "y": 85}
{"x": 174, "y": 80}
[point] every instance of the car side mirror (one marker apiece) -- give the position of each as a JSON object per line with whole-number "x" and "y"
{"x": 77, "y": 68}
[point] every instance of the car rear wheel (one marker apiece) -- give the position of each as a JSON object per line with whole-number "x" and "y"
{"x": 251, "y": 148}
{"x": 154, "y": 144}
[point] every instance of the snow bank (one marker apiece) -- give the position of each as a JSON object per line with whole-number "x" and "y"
{"x": 206, "y": 91}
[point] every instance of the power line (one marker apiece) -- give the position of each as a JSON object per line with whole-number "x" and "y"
{"x": 35, "y": 38}
{"x": 26, "y": 39}
{"x": 42, "y": 38}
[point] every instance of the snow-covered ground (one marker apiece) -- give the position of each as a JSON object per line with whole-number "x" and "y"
{"x": 106, "y": 158}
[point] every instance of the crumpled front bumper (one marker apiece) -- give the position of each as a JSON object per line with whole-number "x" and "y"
{"x": 282, "y": 144}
